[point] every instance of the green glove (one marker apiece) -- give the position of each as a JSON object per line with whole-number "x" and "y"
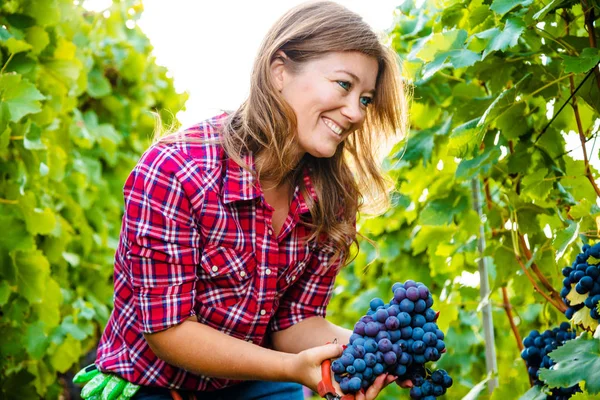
{"x": 101, "y": 386}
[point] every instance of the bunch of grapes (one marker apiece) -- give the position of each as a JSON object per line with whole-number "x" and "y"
{"x": 398, "y": 338}
{"x": 535, "y": 354}
{"x": 585, "y": 275}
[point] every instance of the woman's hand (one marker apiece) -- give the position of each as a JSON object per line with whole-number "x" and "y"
{"x": 306, "y": 365}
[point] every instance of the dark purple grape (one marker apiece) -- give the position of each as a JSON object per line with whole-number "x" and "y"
{"x": 378, "y": 369}
{"x": 370, "y": 359}
{"x": 399, "y": 294}
{"x": 392, "y": 323}
{"x": 420, "y": 306}
{"x": 423, "y": 292}
{"x": 371, "y": 329}
{"x": 382, "y": 335}
{"x": 376, "y": 303}
{"x": 390, "y": 358}
{"x": 354, "y": 384}
{"x": 359, "y": 365}
{"x": 384, "y": 345}
{"x": 407, "y": 305}
{"x": 404, "y": 319}
{"x": 359, "y": 328}
{"x": 347, "y": 359}
{"x": 370, "y": 346}
{"x": 418, "y": 333}
{"x": 381, "y": 315}
{"x": 418, "y": 321}
{"x": 410, "y": 283}
{"x": 412, "y": 293}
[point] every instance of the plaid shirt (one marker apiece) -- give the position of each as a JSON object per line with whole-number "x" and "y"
{"x": 197, "y": 240}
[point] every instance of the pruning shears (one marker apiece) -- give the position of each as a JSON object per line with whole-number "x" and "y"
{"x": 325, "y": 387}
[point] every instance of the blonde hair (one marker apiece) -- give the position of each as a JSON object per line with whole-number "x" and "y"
{"x": 266, "y": 122}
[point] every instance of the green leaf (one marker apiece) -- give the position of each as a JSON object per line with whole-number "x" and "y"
{"x": 549, "y": 7}
{"x": 36, "y": 341}
{"x": 38, "y": 38}
{"x": 512, "y": 123}
{"x": 536, "y": 185}
{"x": 565, "y": 237}
{"x": 441, "y": 42}
{"x": 20, "y": 95}
{"x": 577, "y": 360}
{"x": 33, "y": 138}
{"x": 503, "y": 102}
{"x": 66, "y": 354}
{"x": 33, "y": 270}
{"x": 469, "y": 169}
{"x": 46, "y": 12}
{"x": 587, "y": 60}
{"x": 5, "y": 291}
{"x": 442, "y": 211}
{"x": 98, "y": 85}
{"x": 502, "y": 40}
{"x": 535, "y": 393}
{"x": 503, "y": 6}
{"x": 465, "y": 138}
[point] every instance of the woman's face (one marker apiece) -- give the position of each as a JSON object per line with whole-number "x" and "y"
{"x": 330, "y": 96}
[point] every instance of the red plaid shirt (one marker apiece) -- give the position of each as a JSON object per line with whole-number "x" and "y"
{"x": 197, "y": 240}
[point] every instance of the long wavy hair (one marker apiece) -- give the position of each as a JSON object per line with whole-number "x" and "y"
{"x": 266, "y": 125}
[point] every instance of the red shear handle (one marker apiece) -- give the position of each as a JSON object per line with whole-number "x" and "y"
{"x": 325, "y": 386}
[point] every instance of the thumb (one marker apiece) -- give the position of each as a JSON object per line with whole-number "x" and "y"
{"x": 331, "y": 350}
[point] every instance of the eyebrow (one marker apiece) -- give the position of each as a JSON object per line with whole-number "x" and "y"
{"x": 356, "y": 78}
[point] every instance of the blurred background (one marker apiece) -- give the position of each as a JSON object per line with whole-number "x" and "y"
{"x": 496, "y": 199}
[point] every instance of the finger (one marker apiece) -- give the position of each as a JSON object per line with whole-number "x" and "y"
{"x": 406, "y": 383}
{"x": 376, "y": 387}
{"x": 390, "y": 378}
{"x": 328, "y": 351}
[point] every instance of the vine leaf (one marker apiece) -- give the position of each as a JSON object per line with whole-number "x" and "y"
{"x": 535, "y": 393}
{"x": 587, "y": 60}
{"x": 577, "y": 360}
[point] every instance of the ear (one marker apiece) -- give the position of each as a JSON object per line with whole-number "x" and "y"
{"x": 278, "y": 69}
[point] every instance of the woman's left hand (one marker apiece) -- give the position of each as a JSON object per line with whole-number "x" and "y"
{"x": 372, "y": 391}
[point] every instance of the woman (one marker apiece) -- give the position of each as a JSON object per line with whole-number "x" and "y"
{"x": 234, "y": 230}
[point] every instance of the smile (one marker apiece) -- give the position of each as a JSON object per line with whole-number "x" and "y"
{"x": 333, "y": 126}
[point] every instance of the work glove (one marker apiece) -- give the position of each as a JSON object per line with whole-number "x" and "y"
{"x": 101, "y": 386}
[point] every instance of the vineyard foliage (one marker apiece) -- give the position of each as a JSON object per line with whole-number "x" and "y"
{"x": 490, "y": 81}
{"x": 77, "y": 92}
{"x": 489, "y": 77}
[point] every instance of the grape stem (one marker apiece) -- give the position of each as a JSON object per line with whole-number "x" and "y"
{"x": 559, "y": 306}
{"x": 555, "y": 295}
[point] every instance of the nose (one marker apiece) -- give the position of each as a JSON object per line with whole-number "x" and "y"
{"x": 353, "y": 111}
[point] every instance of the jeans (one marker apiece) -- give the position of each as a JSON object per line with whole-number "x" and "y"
{"x": 249, "y": 390}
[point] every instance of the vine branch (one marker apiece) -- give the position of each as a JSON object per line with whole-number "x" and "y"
{"x": 508, "y": 309}
{"x": 588, "y": 170}
{"x": 588, "y": 11}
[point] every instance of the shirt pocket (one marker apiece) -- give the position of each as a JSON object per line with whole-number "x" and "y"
{"x": 225, "y": 276}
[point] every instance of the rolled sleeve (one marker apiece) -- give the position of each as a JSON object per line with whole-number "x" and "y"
{"x": 164, "y": 243}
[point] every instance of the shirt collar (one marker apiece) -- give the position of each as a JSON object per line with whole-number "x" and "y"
{"x": 240, "y": 184}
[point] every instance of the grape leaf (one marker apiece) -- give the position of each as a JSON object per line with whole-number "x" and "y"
{"x": 465, "y": 138}
{"x": 577, "y": 360}
{"x": 535, "y": 393}
{"x": 503, "y": 6}
{"x": 574, "y": 297}
{"x": 32, "y": 273}
{"x": 502, "y": 40}
{"x": 583, "y": 318}
{"x": 565, "y": 237}
{"x": 20, "y": 96}
{"x": 585, "y": 61}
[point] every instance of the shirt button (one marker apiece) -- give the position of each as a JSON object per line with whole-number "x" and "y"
{"x": 293, "y": 277}
{"x": 215, "y": 268}
{"x": 262, "y": 312}
{"x": 268, "y": 271}
{"x": 243, "y": 274}
{"x": 270, "y": 231}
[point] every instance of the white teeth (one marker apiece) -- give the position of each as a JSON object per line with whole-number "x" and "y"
{"x": 333, "y": 126}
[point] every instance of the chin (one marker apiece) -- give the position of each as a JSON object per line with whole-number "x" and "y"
{"x": 322, "y": 153}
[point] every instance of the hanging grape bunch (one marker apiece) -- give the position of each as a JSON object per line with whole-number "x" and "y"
{"x": 398, "y": 338}
{"x": 581, "y": 287}
{"x": 535, "y": 353}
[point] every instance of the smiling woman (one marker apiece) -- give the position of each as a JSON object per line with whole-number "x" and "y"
{"x": 236, "y": 228}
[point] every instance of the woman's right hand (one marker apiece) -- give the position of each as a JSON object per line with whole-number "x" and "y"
{"x": 306, "y": 365}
